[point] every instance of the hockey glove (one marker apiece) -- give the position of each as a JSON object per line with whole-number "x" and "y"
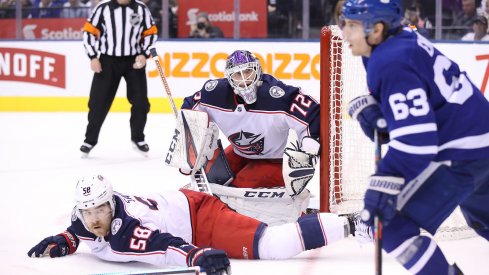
{"x": 381, "y": 198}
{"x": 212, "y": 261}
{"x": 55, "y": 246}
{"x": 366, "y": 111}
{"x": 299, "y": 163}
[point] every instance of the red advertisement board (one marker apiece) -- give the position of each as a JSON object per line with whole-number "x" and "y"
{"x": 44, "y": 29}
{"x": 33, "y": 66}
{"x": 252, "y": 17}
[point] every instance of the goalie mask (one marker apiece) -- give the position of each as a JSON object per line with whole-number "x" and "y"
{"x": 91, "y": 192}
{"x": 243, "y": 71}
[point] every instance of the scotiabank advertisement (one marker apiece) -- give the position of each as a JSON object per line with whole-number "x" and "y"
{"x": 252, "y": 16}
{"x": 45, "y": 29}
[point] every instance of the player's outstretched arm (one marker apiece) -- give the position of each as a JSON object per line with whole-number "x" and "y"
{"x": 56, "y": 246}
{"x": 212, "y": 261}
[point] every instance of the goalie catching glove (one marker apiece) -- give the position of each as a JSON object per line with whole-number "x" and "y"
{"x": 299, "y": 163}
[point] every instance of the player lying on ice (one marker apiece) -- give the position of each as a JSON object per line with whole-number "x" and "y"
{"x": 437, "y": 131}
{"x": 178, "y": 228}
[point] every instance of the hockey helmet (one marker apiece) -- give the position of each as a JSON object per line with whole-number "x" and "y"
{"x": 92, "y": 191}
{"x": 243, "y": 71}
{"x": 370, "y": 12}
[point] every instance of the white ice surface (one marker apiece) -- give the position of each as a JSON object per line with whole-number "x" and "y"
{"x": 40, "y": 160}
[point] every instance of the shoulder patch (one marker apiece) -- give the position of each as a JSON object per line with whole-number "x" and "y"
{"x": 116, "y": 225}
{"x": 210, "y": 85}
{"x": 276, "y": 92}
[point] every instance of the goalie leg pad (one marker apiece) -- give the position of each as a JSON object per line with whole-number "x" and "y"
{"x": 269, "y": 205}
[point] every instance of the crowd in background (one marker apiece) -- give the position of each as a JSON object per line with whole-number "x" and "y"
{"x": 461, "y": 19}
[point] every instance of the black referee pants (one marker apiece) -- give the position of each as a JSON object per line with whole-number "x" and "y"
{"x": 103, "y": 91}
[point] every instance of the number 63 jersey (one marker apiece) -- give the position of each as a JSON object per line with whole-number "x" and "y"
{"x": 433, "y": 111}
{"x": 258, "y": 130}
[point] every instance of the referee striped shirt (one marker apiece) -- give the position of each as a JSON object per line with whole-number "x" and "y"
{"x": 119, "y": 30}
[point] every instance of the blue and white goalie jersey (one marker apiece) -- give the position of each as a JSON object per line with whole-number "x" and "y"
{"x": 258, "y": 130}
{"x": 429, "y": 105}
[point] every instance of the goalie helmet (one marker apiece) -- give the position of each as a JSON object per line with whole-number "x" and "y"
{"x": 370, "y": 12}
{"x": 243, "y": 71}
{"x": 92, "y": 191}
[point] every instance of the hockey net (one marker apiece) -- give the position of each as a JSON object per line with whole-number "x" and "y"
{"x": 349, "y": 159}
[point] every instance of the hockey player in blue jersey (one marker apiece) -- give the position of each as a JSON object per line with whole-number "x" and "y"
{"x": 435, "y": 121}
{"x": 177, "y": 228}
{"x": 255, "y": 112}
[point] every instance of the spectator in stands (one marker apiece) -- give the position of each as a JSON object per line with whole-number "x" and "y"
{"x": 74, "y": 9}
{"x": 154, "y": 7}
{"x": 46, "y": 9}
{"x": 338, "y": 10}
{"x": 204, "y": 29}
{"x": 479, "y": 28}
{"x": 413, "y": 20}
{"x": 463, "y": 21}
{"x": 277, "y": 21}
{"x": 173, "y": 18}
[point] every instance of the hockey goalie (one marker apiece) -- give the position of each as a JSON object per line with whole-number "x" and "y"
{"x": 196, "y": 150}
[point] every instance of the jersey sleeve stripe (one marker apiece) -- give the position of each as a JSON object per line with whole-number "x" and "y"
{"x": 471, "y": 142}
{"x": 413, "y": 129}
{"x": 414, "y": 150}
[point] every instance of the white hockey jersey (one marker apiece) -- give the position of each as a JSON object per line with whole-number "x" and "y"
{"x": 258, "y": 130}
{"x": 155, "y": 230}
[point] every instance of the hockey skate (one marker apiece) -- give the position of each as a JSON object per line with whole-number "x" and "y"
{"x": 362, "y": 232}
{"x": 141, "y": 147}
{"x": 85, "y": 149}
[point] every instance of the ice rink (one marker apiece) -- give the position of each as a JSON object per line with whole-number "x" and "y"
{"x": 40, "y": 162}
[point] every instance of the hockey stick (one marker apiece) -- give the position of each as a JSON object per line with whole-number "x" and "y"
{"x": 377, "y": 217}
{"x": 197, "y": 176}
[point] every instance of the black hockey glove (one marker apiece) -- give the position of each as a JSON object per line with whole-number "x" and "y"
{"x": 212, "y": 261}
{"x": 366, "y": 111}
{"x": 55, "y": 246}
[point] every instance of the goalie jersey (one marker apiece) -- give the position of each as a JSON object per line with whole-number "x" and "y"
{"x": 258, "y": 130}
{"x": 429, "y": 105}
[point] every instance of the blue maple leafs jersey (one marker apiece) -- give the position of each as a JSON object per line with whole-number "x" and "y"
{"x": 433, "y": 111}
{"x": 258, "y": 130}
{"x": 154, "y": 230}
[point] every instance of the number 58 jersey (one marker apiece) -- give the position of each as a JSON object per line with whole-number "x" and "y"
{"x": 258, "y": 130}
{"x": 433, "y": 111}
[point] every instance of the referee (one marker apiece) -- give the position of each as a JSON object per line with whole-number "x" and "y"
{"x": 117, "y": 37}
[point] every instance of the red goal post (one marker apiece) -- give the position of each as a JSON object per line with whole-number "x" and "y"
{"x": 349, "y": 158}
{"x": 347, "y": 155}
